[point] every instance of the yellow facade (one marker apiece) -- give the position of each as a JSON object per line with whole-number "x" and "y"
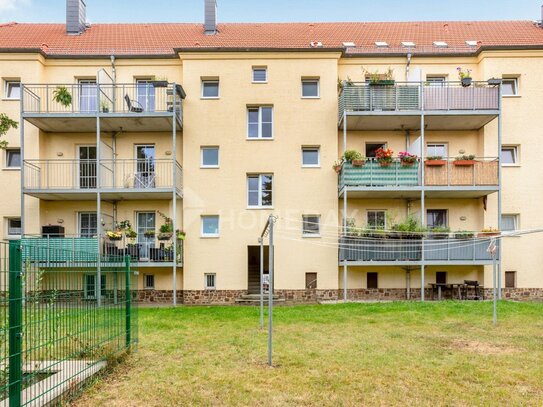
{"x": 297, "y": 122}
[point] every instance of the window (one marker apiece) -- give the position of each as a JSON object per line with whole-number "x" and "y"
{"x": 260, "y": 122}
{"x": 145, "y": 176}
{"x": 210, "y": 226}
{"x": 90, "y": 286}
{"x": 310, "y": 281}
{"x": 371, "y": 148}
{"x": 13, "y": 158}
{"x": 310, "y": 88}
{"x": 310, "y": 157}
{"x": 88, "y": 224}
{"x": 441, "y": 277}
{"x": 372, "y": 280}
{"x": 14, "y": 227}
{"x": 210, "y": 89}
{"x": 510, "y": 279}
{"x": 509, "y": 223}
{"x": 87, "y": 95}
{"x": 210, "y": 157}
{"x": 436, "y": 150}
{"x": 149, "y": 281}
{"x": 13, "y": 90}
{"x": 145, "y": 91}
{"x": 210, "y": 281}
{"x": 436, "y": 218}
{"x": 509, "y": 86}
{"x": 436, "y": 80}
{"x": 509, "y": 155}
{"x": 260, "y": 190}
{"x": 376, "y": 219}
{"x": 260, "y": 74}
{"x": 311, "y": 225}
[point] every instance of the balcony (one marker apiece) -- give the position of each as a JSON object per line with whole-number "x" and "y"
{"x": 443, "y": 178}
{"x": 449, "y": 106}
{"x": 78, "y": 251}
{"x": 132, "y": 107}
{"x": 387, "y": 250}
{"x": 76, "y": 179}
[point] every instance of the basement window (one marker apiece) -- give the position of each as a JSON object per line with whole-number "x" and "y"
{"x": 372, "y": 280}
{"x": 510, "y": 279}
{"x": 149, "y": 281}
{"x": 210, "y": 281}
{"x": 310, "y": 281}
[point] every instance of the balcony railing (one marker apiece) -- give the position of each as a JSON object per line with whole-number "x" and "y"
{"x": 413, "y": 96}
{"x": 118, "y": 174}
{"x": 54, "y": 251}
{"x": 408, "y": 250}
{"x": 104, "y": 98}
{"x": 448, "y": 172}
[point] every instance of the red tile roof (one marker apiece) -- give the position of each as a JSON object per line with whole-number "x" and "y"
{"x": 165, "y": 39}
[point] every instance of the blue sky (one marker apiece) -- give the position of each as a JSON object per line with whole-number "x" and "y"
{"x": 102, "y": 11}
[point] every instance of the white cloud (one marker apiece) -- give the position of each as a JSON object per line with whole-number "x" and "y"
{"x": 12, "y": 4}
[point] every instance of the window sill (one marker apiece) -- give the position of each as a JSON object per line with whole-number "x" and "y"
{"x": 311, "y": 236}
{"x": 13, "y": 237}
{"x": 311, "y": 97}
{"x": 148, "y": 288}
{"x": 259, "y": 83}
{"x": 510, "y": 165}
{"x": 11, "y": 99}
{"x": 511, "y": 96}
{"x": 209, "y": 236}
{"x": 11, "y": 169}
{"x": 259, "y": 138}
{"x": 209, "y": 167}
{"x": 260, "y": 208}
{"x": 311, "y": 166}
{"x": 210, "y": 98}
{"x": 209, "y": 289}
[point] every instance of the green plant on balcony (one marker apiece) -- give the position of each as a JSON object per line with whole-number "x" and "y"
{"x": 407, "y": 159}
{"x": 149, "y": 233}
{"x": 489, "y": 232}
{"x": 131, "y": 234}
{"x": 354, "y": 157}
{"x": 114, "y": 235}
{"x": 62, "y": 96}
{"x": 104, "y": 106}
{"x": 384, "y": 156}
{"x": 166, "y": 229}
{"x": 377, "y": 78}
{"x": 410, "y": 228}
{"x": 6, "y": 124}
{"x": 463, "y": 234}
{"x": 342, "y": 83}
{"x": 465, "y": 76}
{"x": 465, "y": 160}
{"x": 180, "y": 235}
{"x": 439, "y": 232}
{"x": 338, "y": 164}
{"x": 435, "y": 161}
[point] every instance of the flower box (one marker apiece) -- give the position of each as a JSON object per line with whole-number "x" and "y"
{"x": 464, "y": 163}
{"x": 385, "y": 163}
{"x": 408, "y": 163}
{"x": 435, "y": 163}
{"x": 164, "y": 236}
{"x": 337, "y": 168}
{"x": 358, "y": 163}
{"x": 488, "y": 234}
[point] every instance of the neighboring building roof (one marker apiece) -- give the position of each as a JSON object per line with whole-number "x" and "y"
{"x": 165, "y": 39}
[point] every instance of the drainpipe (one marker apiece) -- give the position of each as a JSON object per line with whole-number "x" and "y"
{"x": 407, "y": 66}
{"x": 114, "y": 77}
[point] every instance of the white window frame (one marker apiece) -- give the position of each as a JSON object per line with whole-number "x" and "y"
{"x": 304, "y": 80}
{"x": 145, "y": 285}
{"x": 439, "y": 209}
{"x": 436, "y": 80}
{"x": 375, "y": 211}
{"x": 214, "y": 278}
{"x": 516, "y": 221}
{"x": 206, "y": 80}
{"x": 311, "y": 234}
{"x": 202, "y": 229}
{"x": 433, "y": 144}
{"x": 260, "y": 137}
{"x": 7, "y": 84}
{"x": 259, "y": 68}
{"x": 10, "y": 235}
{"x": 515, "y": 86}
{"x": 311, "y": 148}
{"x": 202, "y": 165}
{"x": 6, "y": 159}
{"x": 515, "y": 156}
{"x": 260, "y": 190}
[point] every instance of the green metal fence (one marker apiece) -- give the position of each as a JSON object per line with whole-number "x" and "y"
{"x": 60, "y": 326}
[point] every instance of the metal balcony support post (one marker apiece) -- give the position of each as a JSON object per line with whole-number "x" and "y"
{"x": 261, "y": 241}
{"x": 22, "y": 144}
{"x": 499, "y": 248}
{"x": 345, "y": 267}
{"x": 174, "y": 196}
{"x": 422, "y": 196}
{"x": 98, "y": 283}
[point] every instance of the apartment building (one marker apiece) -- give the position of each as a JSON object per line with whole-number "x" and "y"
{"x": 173, "y": 143}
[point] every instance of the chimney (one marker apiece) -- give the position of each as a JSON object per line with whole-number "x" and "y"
{"x": 210, "y": 17}
{"x": 76, "y": 16}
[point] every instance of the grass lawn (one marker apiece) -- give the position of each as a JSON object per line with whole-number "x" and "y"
{"x": 445, "y": 353}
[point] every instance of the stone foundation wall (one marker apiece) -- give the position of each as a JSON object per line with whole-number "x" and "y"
{"x": 290, "y": 297}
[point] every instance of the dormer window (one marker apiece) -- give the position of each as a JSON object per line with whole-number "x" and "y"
{"x": 408, "y": 44}
{"x": 440, "y": 44}
{"x": 381, "y": 44}
{"x": 471, "y": 43}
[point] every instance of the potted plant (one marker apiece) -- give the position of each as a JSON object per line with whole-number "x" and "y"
{"x": 465, "y": 160}
{"x": 342, "y": 83}
{"x": 114, "y": 235}
{"x": 62, "y": 96}
{"x": 464, "y": 234}
{"x": 104, "y": 106}
{"x": 435, "y": 161}
{"x": 407, "y": 159}
{"x": 376, "y": 78}
{"x": 384, "y": 156}
{"x": 149, "y": 233}
{"x": 166, "y": 229}
{"x": 355, "y": 158}
{"x": 131, "y": 234}
{"x": 439, "y": 232}
{"x": 338, "y": 164}
{"x": 489, "y": 232}
{"x": 465, "y": 76}
{"x": 180, "y": 235}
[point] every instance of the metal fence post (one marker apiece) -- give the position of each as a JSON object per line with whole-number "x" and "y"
{"x": 128, "y": 304}
{"x": 15, "y": 323}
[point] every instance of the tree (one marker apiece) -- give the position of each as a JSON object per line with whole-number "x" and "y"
{"x": 5, "y": 125}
